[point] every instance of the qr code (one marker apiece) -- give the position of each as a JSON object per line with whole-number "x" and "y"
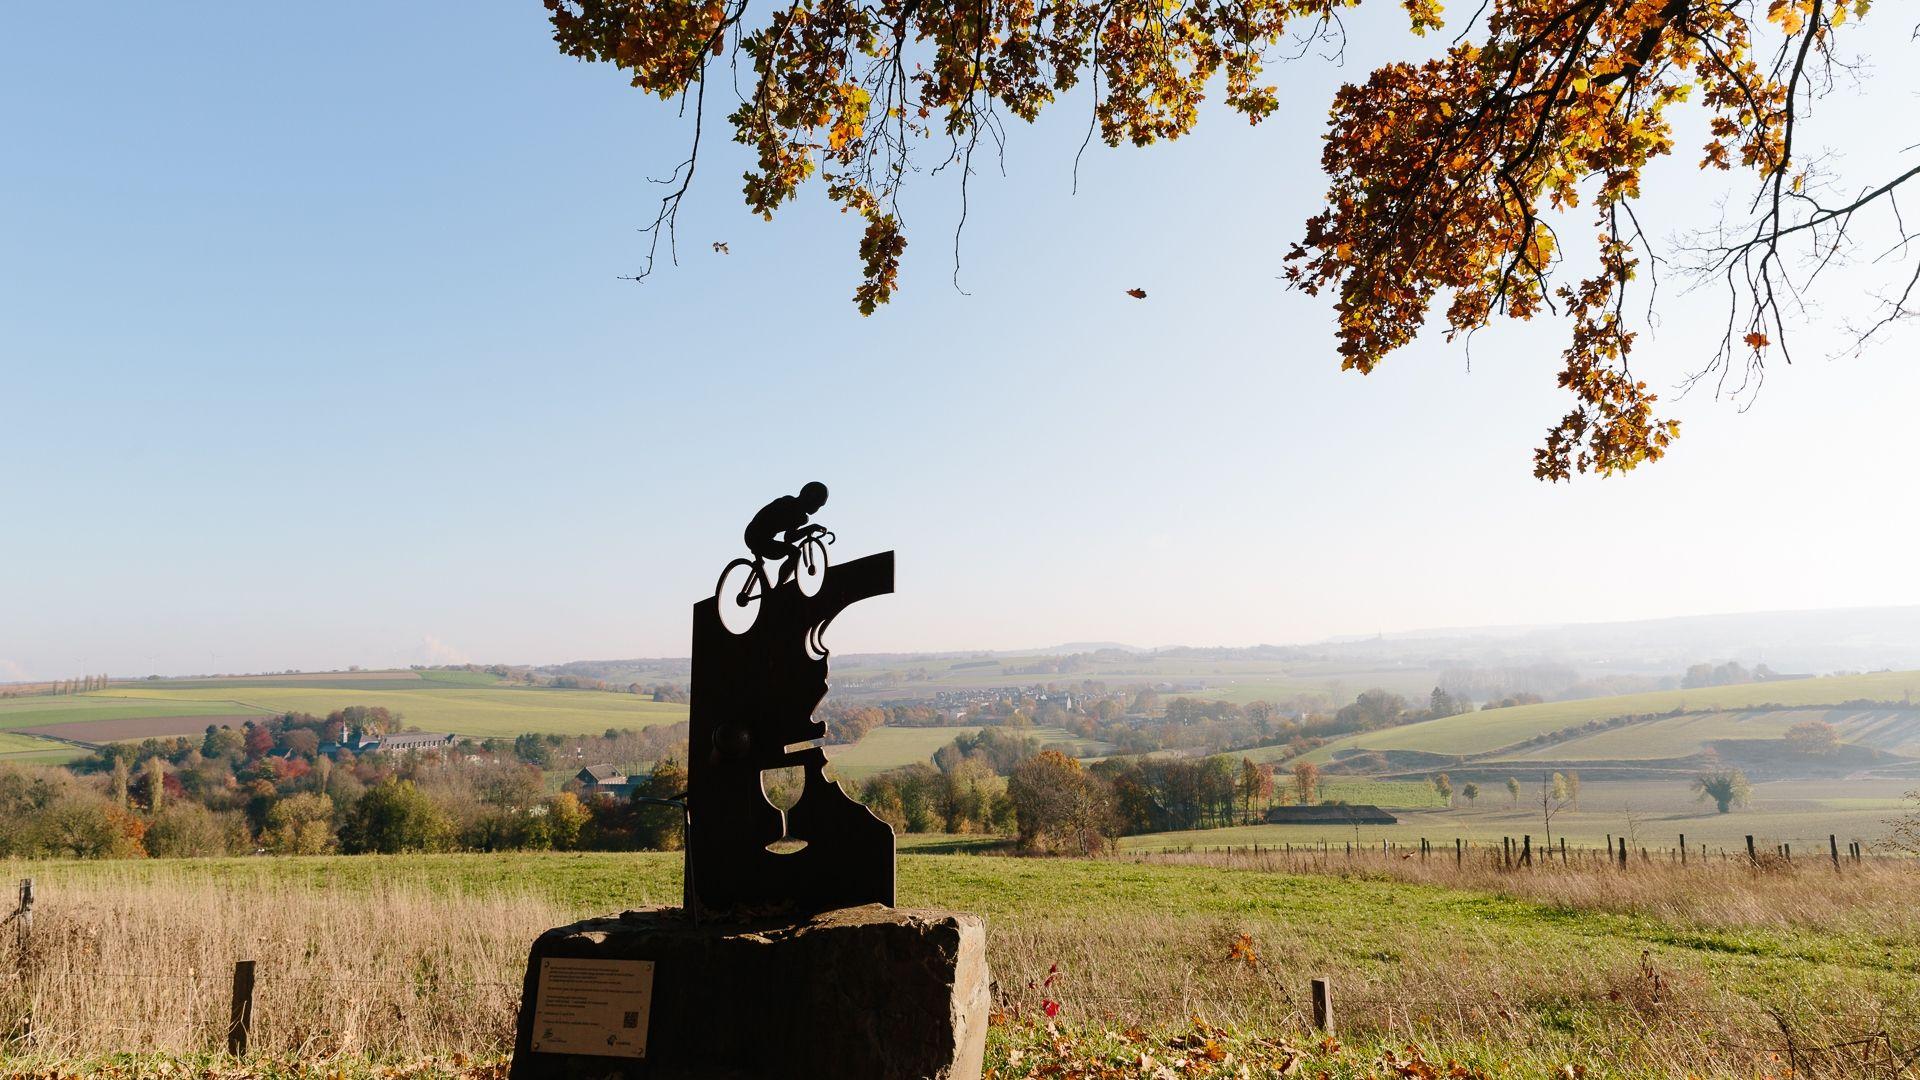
{"x": 630, "y": 1020}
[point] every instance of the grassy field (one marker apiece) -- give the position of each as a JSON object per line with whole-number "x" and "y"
{"x": 27, "y": 712}
{"x": 886, "y": 748}
{"x": 28, "y": 749}
{"x": 1392, "y": 794}
{"x": 11, "y": 743}
{"x": 1702, "y": 972}
{"x": 85, "y": 716}
{"x": 1802, "y": 813}
{"x": 1239, "y": 681}
{"x": 1895, "y": 730}
{"x": 1490, "y": 729}
{"x": 463, "y": 707}
{"x": 52, "y": 754}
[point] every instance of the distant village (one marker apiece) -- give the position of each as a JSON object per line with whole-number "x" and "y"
{"x": 608, "y": 781}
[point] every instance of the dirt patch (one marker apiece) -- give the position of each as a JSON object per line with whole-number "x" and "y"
{"x": 136, "y": 727}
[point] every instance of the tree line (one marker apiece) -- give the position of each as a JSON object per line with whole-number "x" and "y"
{"x": 58, "y": 687}
{"x": 265, "y": 786}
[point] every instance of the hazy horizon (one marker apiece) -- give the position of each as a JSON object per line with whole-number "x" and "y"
{"x": 1409, "y": 636}
{"x": 319, "y": 356}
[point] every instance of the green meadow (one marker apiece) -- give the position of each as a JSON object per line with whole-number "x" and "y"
{"x": 32, "y": 750}
{"x": 115, "y": 704}
{"x": 1652, "y": 813}
{"x": 1491, "y": 729}
{"x": 1214, "y": 679}
{"x": 475, "y": 710}
{"x": 886, "y": 748}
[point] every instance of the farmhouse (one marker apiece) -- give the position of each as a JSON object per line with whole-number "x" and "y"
{"x": 408, "y": 741}
{"x": 399, "y": 742}
{"x": 1338, "y": 814}
{"x": 605, "y": 780}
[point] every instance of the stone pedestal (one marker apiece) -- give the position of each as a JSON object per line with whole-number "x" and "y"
{"x": 862, "y": 993}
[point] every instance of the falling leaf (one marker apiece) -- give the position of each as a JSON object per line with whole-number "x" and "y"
{"x": 1137, "y": 294}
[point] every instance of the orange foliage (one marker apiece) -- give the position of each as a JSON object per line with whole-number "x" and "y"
{"x": 1442, "y": 173}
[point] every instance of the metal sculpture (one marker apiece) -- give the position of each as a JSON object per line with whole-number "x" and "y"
{"x": 759, "y": 670}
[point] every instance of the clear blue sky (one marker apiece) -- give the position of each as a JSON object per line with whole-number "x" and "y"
{"x": 313, "y": 352}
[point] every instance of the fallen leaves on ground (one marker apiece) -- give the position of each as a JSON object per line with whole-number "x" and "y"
{"x": 221, "y": 1067}
{"x": 1203, "y": 1050}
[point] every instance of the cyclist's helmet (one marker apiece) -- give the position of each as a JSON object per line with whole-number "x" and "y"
{"x": 814, "y": 495}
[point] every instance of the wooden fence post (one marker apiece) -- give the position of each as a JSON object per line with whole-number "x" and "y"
{"x": 1751, "y": 856}
{"x": 1458, "y": 853}
{"x": 1526, "y": 850}
{"x": 1323, "y": 1006}
{"x": 240, "y": 1015}
{"x": 1683, "y": 849}
{"x": 25, "y": 915}
{"x": 1623, "y": 853}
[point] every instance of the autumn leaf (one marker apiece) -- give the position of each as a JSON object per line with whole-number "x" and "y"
{"x": 1756, "y": 341}
{"x": 1137, "y": 294}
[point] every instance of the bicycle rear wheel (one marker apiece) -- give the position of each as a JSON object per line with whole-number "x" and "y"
{"x": 738, "y": 595}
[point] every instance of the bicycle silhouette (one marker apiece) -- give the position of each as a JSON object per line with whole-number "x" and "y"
{"x": 744, "y": 582}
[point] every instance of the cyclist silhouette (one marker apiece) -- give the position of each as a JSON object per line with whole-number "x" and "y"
{"x": 777, "y": 531}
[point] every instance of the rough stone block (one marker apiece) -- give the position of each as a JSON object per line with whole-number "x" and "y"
{"x": 862, "y": 993}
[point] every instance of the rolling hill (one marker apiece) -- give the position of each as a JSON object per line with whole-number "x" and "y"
{"x": 1487, "y": 732}
{"x": 478, "y": 706}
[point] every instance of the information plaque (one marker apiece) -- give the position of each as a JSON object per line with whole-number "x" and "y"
{"x": 592, "y": 1007}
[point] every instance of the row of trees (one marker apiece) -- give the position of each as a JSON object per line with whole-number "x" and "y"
{"x": 265, "y": 786}
{"x": 1731, "y": 673}
{"x": 81, "y": 685}
{"x": 1140, "y": 721}
{"x": 1000, "y": 780}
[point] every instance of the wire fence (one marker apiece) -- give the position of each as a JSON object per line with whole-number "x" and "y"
{"x": 1517, "y": 852}
{"x": 69, "y": 995}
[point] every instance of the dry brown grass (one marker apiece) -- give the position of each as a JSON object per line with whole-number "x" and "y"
{"x": 118, "y": 966}
{"x": 1800, "y": 962}
{"x": 1431, "y": 990}
{"x": 1675, "y": 1008}
{"x": 1874, "y": 896}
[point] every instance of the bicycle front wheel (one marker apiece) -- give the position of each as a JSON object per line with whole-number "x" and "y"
{"x": 738, "y": 595}
{"x": 811, "y": 568}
